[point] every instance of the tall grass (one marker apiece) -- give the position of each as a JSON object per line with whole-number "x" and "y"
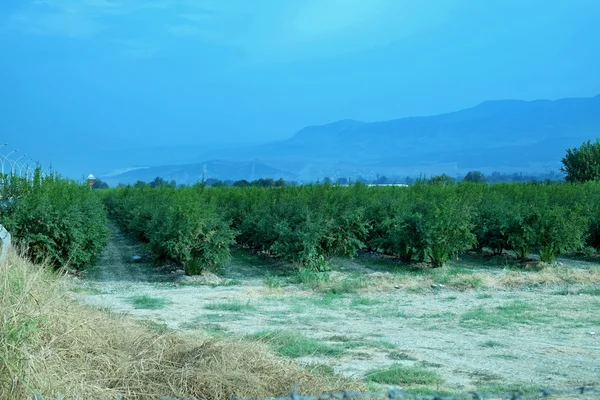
{"x": 51, "y": 346}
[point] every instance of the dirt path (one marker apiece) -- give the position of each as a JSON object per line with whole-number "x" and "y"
{"x": 471, "y": 339}
{"x": 116, "y": 264}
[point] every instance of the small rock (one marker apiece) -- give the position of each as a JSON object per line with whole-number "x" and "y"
{"x": 591, "y": 333}
{"x": 137, "y": 258}
{"x": 396, "y": 287}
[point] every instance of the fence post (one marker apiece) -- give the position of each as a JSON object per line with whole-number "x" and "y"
{"x": 4, "y": 242}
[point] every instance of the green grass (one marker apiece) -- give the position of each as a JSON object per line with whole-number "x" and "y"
{"x": 503, "y": 316}
{"x": 272, "y": 282}
{"x": 324, "y": 301}
{"x": 309, "y": 278}
{"x": 492, "y": 344}
{"x": 449, "y": 298}
{"x": 321, "y": 369}
{"x": 363, "y": 301}
{"x": 293, "y": 345}
{"x": 402, "y": 375}
{"x": 456, "y": 277}
{"x": 505, "y": 356}
{"x": 158, "y": 327}
{"x": 375, "y": 344}
{"x": 387, "y": 311}
{"x": 484, "y": 296}
{"x": 229, "y": 282}
{"x": 400, "y": 356}
{"x": 590, "y": 291}
{"x": 339, "y": 338}
{"x": 148, "y": 302}
{"x": 348, "y": 285}
{"x": 235, "y": 306}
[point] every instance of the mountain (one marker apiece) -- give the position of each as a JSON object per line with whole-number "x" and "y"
{"x": 505, "y": 136}
{"x": 192, "y": 173}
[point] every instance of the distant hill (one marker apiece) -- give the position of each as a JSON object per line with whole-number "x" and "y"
{"x": 505, "y": 136}
{"x": 192, "y": 173}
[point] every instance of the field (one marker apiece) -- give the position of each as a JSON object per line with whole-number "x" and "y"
{"x": 480, "y": 323}
{"x": 437, "y": 287}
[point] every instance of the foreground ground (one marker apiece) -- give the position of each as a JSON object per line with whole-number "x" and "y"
{"x": 481, "y": 323}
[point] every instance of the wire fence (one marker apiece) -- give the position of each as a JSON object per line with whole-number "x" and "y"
{"x": 396, "y": 393}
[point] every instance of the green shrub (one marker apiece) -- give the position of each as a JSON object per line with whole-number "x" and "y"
{"x": 55, "y": 219}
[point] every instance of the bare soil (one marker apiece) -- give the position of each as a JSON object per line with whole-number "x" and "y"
{"x": 532, "y": 336}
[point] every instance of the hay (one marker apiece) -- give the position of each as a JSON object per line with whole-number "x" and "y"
{"x": 51, "y": 345}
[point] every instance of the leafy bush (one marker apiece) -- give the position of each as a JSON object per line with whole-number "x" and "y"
{"x": 55, "y": 219}
{"x": 176, "y": 223}
{"x": 430, "y": 221}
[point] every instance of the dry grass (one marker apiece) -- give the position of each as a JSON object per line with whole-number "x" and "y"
{"x": 498, "y": 279}
{"x": 53, "y": 346}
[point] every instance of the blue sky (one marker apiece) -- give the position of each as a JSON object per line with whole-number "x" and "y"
{"x": 131, "y": 73}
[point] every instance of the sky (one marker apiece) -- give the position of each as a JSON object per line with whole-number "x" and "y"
{"x": 79, "y": 77}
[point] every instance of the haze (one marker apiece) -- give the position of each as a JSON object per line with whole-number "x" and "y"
{"x": 84, "y": 78}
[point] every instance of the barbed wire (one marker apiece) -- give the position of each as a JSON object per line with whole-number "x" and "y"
{"x": 397, "y": 393}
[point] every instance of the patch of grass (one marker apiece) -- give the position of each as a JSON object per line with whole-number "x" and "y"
{"x": 158, "y": 327}
{"x": 60, "y": 346}
{"x": 348, "y": 285}
{"x": 376, "y": 344}
{"x": 456, "y": 277}
{"x": 401, "y": 375}
{"x": 321, "y": 369}
{"x": 505, "y": 356}
{"x": 387, "y": 312}
{"x": 492, "y": 344}
{"x": 293, "y": 345}
{"x": 590, "y": 291}
{"x": 226, "y": 283}
{"x": 400, "y": 356}
{"x": 482, "y": 296}
{"x": 429, "y": 364}
{"x": 148, "y": 302}
{"x": 272, "y": 282}
{"x": 449, "y": 298}
{"x": 214, "y": 329}
{"x": 324, "y": 301}
{"x": 516, "y": 312}
{"x": 481, "y": 377}
{"x": 363, "y": 301}
{"x": 235, "y": 306}
{"x": 309, "y": 278}
{"x": 339, "y": 338}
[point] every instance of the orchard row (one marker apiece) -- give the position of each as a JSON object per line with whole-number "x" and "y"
{"x": 309, "y": 224}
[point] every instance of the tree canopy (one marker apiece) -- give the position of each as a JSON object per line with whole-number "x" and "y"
{"x": 583, "y": 163}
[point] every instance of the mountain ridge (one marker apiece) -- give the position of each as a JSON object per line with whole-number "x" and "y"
{"x": 495, "y": 134}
